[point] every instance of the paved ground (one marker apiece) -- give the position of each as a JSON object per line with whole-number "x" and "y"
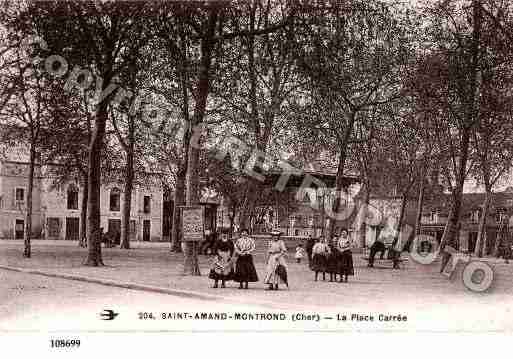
{"x": 430, "y": 301}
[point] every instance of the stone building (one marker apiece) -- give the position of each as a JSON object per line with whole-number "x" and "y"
{"x": 56, "y": 209}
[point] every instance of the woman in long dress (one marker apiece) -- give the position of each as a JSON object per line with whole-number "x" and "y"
{"x": 332, "y": 260}
{"x": 277, "y": 251}
{"x": 222, "y": 267}
{"x": 344, "y": 245}
{"x": 245, "y": 271}
{"x": 320, "y": 252}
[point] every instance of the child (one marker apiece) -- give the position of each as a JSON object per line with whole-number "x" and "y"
{"x": 300, "y": 253}
{"x": 222, "y": 266}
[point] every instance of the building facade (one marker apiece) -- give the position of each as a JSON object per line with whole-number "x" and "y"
{"x": 499, "y": 219}
{"x": 56, "y": 209}
{"x": 435, "y": 214}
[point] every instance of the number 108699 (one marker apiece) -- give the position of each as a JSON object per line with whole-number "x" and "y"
{"x": 64, "y": 343}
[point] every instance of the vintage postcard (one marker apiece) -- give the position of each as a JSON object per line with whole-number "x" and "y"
{"x": 255, "y": 166}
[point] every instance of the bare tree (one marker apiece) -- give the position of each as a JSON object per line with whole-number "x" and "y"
{"x": 354, "y": 64}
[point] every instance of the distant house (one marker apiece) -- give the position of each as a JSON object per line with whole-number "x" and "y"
{"x": 56, "y": 210}
{"x": 435, "y": 216}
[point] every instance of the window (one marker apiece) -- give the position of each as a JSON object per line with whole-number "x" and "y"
{"x": 20, "y": 194}
{"x": 474, "y": 216}
{"x": 500, "y": 215}
{"x": 433, "y": 217}
{"x": 114, "y": 203}
{"x": 132, "y": 227}
{"x": 72, "y": 197}
{"x": 147, "y": 204}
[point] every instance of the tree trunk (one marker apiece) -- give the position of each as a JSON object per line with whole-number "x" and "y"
{"x": 253, "y": 185}
{"x": 247, "y": 208}
{"x": 339, "y": 185}
{"x": 27, "y": 252}
{"x": 420, "y": 206}
{"x": 363, "y": 225}
{"x": 450, "y": 233}
{"x": 499, "y": 237}
{"x": 179, "y": 200}
{"x": 418, "y": 215}
{"x": 323, "y": 214}
{"x": 404, "y": 203}
{"x": 127, "y": 198}
{"x": 94, "y": 255}
{"x": 192, "y": 197}
{"x": 179, "y": 196}
{"x": 481, "y": 232}
{"x": 83, "y": 214}
{"x": 232, "y": 221}
{"x": 339, "y": 181}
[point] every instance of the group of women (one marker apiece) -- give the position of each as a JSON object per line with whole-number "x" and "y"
{"x": 334, "y": 258}
{"x": 234, "y": 261}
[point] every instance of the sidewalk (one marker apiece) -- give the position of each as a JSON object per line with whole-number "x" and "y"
{"x": 151, "y": 267}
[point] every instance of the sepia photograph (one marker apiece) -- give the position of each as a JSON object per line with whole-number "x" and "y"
{"x": 255, "y": 166}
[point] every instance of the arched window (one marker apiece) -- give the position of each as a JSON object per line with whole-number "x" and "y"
{"x": 72, "y": 197}
{"x": 115, "y": 195}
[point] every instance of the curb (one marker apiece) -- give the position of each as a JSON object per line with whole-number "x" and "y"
{"x": 125, "y": 285}
{"x": 147, "y": 288}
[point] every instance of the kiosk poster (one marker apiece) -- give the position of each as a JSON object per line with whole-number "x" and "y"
{"x": 193, "y": 223}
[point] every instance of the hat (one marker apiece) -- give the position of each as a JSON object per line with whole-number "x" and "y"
{"x": 276, "y": 232}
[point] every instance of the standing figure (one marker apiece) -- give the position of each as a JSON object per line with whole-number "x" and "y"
{"x": 345, "y": 262}
{"x": 276, "y": 270}
{"x": 222, "y": 266}
{"x": 309, "y": 246}
{"x": 332, "y": 260}
{"x": 320, "y": 252}
{"x": 300, "y": 253}
{"x": 245, "y": 271}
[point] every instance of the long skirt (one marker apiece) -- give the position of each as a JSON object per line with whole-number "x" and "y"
{"x": 346, "y": 263}
{"x": 332, "y": 262}
{"x": 245, "y": 269}
{"x": 319, "y": 263}
{"x": 271, "y": 277}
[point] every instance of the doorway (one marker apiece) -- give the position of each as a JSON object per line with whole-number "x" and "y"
{"x": 19, "y": 229}
{"x": 146, "y": 230}
{"x": 72, "y": 228}
{"x": 114, "y": 229}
